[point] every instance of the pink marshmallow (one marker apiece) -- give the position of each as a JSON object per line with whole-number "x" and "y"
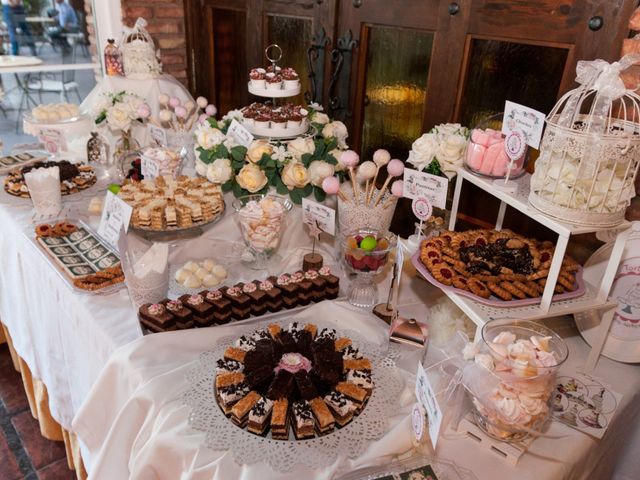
{"x": 479, "y": 137}
{"x": 501, "y": 165}
{"x": 493, "y": 152}
{"x": 495, "y": 139}
{"x": 475, "y": 154}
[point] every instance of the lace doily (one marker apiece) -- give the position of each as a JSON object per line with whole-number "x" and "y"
{"x": 284, "y": 456}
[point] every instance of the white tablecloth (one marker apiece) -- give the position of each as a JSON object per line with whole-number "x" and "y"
{"x": 135, "y": 424}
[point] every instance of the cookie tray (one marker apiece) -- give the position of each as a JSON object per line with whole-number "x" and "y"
{"x": 48, "y": 256}
{"x": 493, "y": 301}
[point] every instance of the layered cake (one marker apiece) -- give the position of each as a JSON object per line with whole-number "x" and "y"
{"x": 73, "y": 178}
{"x": 298, "y": 380}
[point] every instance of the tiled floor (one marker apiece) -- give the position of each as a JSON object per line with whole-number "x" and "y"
{"x": 24, "y": 453}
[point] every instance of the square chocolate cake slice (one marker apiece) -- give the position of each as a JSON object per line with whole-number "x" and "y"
{"x": 201, "y": 310}
{"x": 258, "y": 302}
{"x": 182, "y": 315}
{"x": 240, "y": 302}
{"x": 318, "y": 285}
{"x": 156, "y": 317}
{"x": 305, "y": 295}
{"x": 273, "y": 295}
{"x": 332, "y": 290}
{"x": 221, "y": 306}
{"x": 289, "y": 290}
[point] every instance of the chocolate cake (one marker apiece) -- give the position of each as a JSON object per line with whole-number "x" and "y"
{"x": 305, "y": 295}
{"x": 181, "y": 314}
{"x": 273, "y": 295}
{"x": 288, "y": 288}
{"x": 240, "y": 302}
{"x": 292, "y": 378}
{"x": 332, "y": 289}
{"x": 318, "y": 285}
{"x": 221, "y": 306}
{"x": 201, "y": 310}
{"x": 156, "y": 317}
{"x": 258, "y": 302}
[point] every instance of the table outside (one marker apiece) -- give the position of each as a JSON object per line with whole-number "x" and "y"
{"x": 67, "y": 339}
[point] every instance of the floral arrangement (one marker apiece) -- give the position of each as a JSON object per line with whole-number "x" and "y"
{"x": 445, "y": 145}
{"x": 296, "y": 168}
{"x": 119, "y": 110}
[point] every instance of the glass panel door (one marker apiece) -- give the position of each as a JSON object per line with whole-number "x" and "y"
{"x": 397, "y": 69}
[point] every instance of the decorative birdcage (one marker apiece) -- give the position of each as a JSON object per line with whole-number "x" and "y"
{"x": 590, "y": 151}
{"x": 139, "y": 55}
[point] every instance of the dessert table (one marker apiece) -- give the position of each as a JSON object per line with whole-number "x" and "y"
{"x": 124, "y": 390}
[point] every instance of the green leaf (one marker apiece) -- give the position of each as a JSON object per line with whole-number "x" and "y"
{"x": 319, "y": 151}
{"x": 237, "y": 190}
{"x": 319, "y": 194}
{"x": 332, "y": 144}
{"x": 307, "y": 189}
{"x": 205, "y": 155}
{"x": 238, "y": 153}
{"x": 213, "y": 122}
{"x": 306, "y": 159}
{"x": 318, "y": 127}
{"x": 281, "y": 188}
{"x": 226, "y": 187}
{"x": 102, "y": 117}
{"x": 296, "y": 196}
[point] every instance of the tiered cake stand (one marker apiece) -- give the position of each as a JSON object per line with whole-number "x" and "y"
{"x": 595, "y": 297}
{"x": 271, "y": 132}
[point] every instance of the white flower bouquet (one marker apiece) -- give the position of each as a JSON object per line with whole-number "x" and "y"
{"x": 119, "y": 110}
{"x": 445, "y": 144}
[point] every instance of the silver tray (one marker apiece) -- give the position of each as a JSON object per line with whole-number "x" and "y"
{"x": 48, "y": 255}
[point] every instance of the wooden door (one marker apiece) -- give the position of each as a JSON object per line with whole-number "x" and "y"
{"x": 227, "y": 38}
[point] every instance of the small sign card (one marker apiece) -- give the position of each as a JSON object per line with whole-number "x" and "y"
{"x": 157, "y": 134}
{"x": 422, "y": 208}
{"x": 527, "y": 121}
{"x": 116, "y": 215}
{"x": 317, "y": 214}
{"x": 53, "y": 140}
{"x": 421, "y": 184}
{"x": 241, "y": 135}
{"x": 149, "y": 168}
{"x": 584, "y": 402}
{"x": 427, "y": 398}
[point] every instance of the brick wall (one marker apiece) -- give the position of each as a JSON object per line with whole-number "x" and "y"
{"x": 165, "y": 20}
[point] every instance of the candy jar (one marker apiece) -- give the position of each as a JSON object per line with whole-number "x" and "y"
{"x": 113, "y": 59}
{"x": 486, "y": 154}
{"x": 513, "y": 376}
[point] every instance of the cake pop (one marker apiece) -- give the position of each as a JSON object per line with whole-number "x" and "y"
{"x": 181, "y": 112}
{"x": 380, "y": 157}
{"x": 189, "y": 106}
{"x": 366, "y": 171}
{"x": 163, "y": 99}
{"x": 203, "y": 118}
{"x": 394, "y": 169}
{"x": 202, "y": 102}
{"x": 174, "y": 102}
{"x": 348, "y": 160}
{"x": 397, "y": 190}
{"x": 211, "y": 110}
{"x": 331, "y": 186}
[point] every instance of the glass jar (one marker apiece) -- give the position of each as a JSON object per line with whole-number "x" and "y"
{"x": 113, "y": 59}
{"x": 512, "y": 380}
{"x": 486, "y": 154}
{"x": 97, "y": 150}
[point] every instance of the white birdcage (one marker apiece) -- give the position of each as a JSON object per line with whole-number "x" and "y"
{"x": 590, "y": 151}
{"x": 139, "y": 56}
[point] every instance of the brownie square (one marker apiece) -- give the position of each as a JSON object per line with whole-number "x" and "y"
{"x": 289, "y": 292}
{"x": 282, "y": 385}
{"x": 258, "y": 302}
{"x": 156, "y": 317}
{"x": 182, "y": 315}
{"x": 319, "y": 289}
{"x": 305, "y": 294}
{"x": 273, "y": 299}
{"x": 306, "y": 388}
{"x": 202, "y": 311}
{"x": 221, "y": 306}
{"x": 240, "y": 302}
{"x": 332, "y": 289}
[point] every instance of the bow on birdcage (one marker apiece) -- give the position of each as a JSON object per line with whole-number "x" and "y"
{"x": 604, "y": 77}
{"x": 138, "y": 28}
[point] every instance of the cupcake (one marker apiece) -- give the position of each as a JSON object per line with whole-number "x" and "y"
{"x": 278, "y": 122}
{"x": 262, "y": 120}
{"x": 294, "y": 120}
{"x": 290, "y": 78}
{"x": 249, "y": 115}
{"x": 274, "y": 81}
{"x": 257, "y": 77}
{"x": 273, "y": 68}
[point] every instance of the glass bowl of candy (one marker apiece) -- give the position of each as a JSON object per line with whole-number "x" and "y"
{"x": 365, "y": 253}
{"x": 513, "y": 377}
{"x": 486, "y": 154}
{"x": 262, "y": 219}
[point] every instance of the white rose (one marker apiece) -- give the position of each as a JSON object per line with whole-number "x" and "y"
{"x": 299, "y": 146}
{"x": 337, "y": 130}
{"x": 220, "y": 171}
{"x": 118, "y": 118}
{"x": 237, "y": 114}
{"x": 132, "y": 102}
{"x": 451, "y": 151}
{"x": 294, "y": 175}
{"x": 208, "y": 137}
{"x": 450, "y": 129}
{"x": 101, "y": 105}
{"x": 251, "y": 178}
{"x": 337, "y": 154}
{"x": 423, "y": 150}
{"x": 318, "y": 171}
{"x": 257, "y": 149}
{"x": 201, "y": 167}
{"x": 321, "y": 118}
